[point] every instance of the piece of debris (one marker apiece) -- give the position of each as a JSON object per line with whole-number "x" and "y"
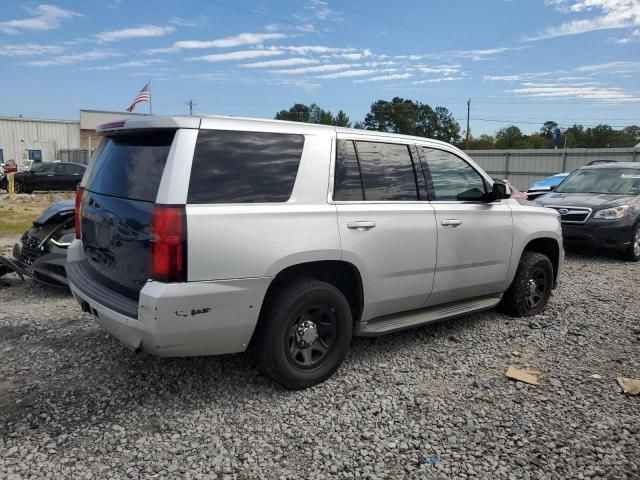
{"x": 521, "y": 375}
{"x": 597, "y": 376}
{"x": 630, "y": 386}
{"x": 516, "y": 353}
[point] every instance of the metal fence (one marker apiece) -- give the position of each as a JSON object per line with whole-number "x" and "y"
{"x": 523, "y": 167}
{"x": 74, "y": 155}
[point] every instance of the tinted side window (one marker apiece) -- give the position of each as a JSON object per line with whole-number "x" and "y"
{"x": 453, "y": 179}
{"x": 65, "y": 169}
{"x": 348, "y": 186}
{"x": 244, "y": 167}
{"x": 387, "y": 171}
{"x": 43, "y": 168}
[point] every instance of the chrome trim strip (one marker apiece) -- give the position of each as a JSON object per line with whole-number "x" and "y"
{"x": 576, "y": 210}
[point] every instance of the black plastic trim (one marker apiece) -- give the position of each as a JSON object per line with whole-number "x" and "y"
{"x": 83, "y": 281}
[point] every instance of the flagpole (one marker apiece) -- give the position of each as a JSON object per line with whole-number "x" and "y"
{"x": 150, "y": 108}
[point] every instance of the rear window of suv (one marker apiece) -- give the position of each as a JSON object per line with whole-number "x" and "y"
{"x": 130, "y": 165}
{"x": 244, "y": 167}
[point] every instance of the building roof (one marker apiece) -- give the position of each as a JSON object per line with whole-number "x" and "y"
{"x": 34, "y": 119}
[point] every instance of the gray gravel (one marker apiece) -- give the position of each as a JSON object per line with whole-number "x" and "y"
{"x": 427, "y": 403}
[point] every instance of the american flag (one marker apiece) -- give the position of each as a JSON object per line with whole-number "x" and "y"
{"x": 143, "y": 96}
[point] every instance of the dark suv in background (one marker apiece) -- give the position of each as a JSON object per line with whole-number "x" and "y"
{"x": 599, "y": 206}
{"x": 47, "y": 176}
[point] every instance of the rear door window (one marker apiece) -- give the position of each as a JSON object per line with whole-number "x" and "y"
{"x": 244, "y": 167}
{"x": 387, "y": 171}
{"x": 130, "y": 165}
{"x": 348, "y": 185}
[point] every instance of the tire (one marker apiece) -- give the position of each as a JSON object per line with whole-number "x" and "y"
{"x": 531, "y": 288}
{"x": 18, "y": 187}
{"x": 632, "y": 253}
{"x": 303, "y": 334}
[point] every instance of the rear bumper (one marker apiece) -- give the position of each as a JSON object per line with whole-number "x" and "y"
{"x": 613, "y": 235}
{"x": 180, "y": 319}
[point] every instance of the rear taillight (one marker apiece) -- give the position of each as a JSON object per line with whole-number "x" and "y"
{"x": 168, "y": 244}
{"x": 79, "y": 193}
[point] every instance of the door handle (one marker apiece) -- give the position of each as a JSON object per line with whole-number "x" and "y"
{"x": 361, "y": 225}
{"x": 451, "y": 222}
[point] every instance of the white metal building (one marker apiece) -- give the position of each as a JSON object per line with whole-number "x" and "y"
{"x": 23, "y": 139}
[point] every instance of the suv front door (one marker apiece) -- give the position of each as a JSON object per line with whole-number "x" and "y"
{"x": 474, "y": 237}
{"x": 387, "y": 226}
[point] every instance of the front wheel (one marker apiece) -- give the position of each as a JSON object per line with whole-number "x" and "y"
{"x": 530, "y": 290}
{"x": 18, "y": 187}
{"x": 303, "y": 334}
{"x": 633, "y": 251}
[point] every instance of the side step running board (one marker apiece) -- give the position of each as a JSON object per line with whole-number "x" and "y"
{"x": 413, "y": 318}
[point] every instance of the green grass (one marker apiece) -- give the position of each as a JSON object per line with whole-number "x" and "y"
{"x": 14, "y": 223}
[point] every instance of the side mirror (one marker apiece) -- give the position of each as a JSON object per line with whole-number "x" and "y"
{"x": 499, "y": 191}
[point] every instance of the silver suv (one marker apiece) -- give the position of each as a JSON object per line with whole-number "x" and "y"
{"x": 213, "y": 235}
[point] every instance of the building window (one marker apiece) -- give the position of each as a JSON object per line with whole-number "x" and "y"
{"x": 1, "y": 155}
{"x": 35, "y": 155}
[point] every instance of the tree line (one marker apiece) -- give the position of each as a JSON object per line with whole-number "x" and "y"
{"x": 409, "y": 117}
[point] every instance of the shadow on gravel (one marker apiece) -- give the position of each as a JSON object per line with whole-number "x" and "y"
{"x": 594, "y": 256}
{"x": 93, "y": 379}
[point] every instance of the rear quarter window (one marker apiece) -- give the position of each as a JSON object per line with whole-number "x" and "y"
{"x": 244, "y": 167}
{"x": 131, "y": 165}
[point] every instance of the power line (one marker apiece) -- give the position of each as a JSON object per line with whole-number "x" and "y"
{"x": 432, "y": 34}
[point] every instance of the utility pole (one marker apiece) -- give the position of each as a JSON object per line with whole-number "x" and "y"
{"x": 468, "y": 113}
{"x": 191, "y": 104}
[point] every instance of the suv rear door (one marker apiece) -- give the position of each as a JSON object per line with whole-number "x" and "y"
{"x": 120, "y": 191}
{"x": 474, "y": 237}
{"x": 387, "y": 226}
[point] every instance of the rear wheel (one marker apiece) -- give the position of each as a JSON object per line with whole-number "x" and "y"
{"x": 303, "y": 334}
{"x": 531, "y": 288}
{"x": 18, "y": 187}
{"x": 633, "y": 251}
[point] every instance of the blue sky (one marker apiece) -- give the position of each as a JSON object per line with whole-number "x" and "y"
{"x": 520, "y": 61}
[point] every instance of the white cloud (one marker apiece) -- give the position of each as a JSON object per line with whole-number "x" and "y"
{"x": 475, "y": 54}
{"x": 502, "y": 78}
{"x": 305, "y": 49}
{"x": 622, "y": 66}
{"x": 237, "y": 55}
{"x": 131, "y": 64}
{"x": 382, "y": 78}
{"x": 444, "y": 69}
{"x": 206, "y": 77}
{"x": 285, "y": 62}
{"x": 143, "y": 31}
{"x": 611, "y": 14}
{"x": 355, "y": 56}
{"x": 322, "y": 11}
{"x": 230, "y": 42}
{"x": 316, "y": 69}
{"x": 554, "y": 91}
{"x": 436, "y": 80}
{"x": 226, "y": 42}
{"x": 354, "y": 73}
{"x": 29, "y": 50}
{"x": 45, "y": 17}
{"x": 75, "y": 58}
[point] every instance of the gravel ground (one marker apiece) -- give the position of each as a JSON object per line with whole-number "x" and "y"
{"x": 427, "y": 403}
